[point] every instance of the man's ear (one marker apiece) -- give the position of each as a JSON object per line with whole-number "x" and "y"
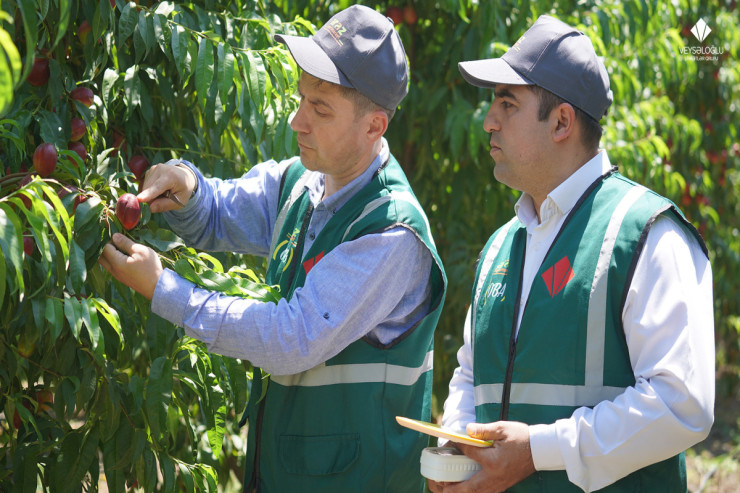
{"x": 377, "y": 124}
{"x": 564, "y": 118}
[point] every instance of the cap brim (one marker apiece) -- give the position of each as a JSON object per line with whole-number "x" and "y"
{"x": 489, "y": 72}
{"x": 312, "y": 59}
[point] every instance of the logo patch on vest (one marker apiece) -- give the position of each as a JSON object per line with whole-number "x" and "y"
{"x": 309, "y": 264}
{"x": 286, "y": 256}
{"x": 557, "y": 276}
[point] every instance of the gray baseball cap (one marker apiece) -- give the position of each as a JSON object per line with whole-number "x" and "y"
{"x": 359, "y": 48}
{"x": 553, "y": 55}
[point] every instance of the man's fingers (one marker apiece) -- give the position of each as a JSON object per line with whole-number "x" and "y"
{"x": 103, "y": 261}
{"x": 163, "y": 178}
{"x": 155, "y": 184}
{"x": 123, "y": 244}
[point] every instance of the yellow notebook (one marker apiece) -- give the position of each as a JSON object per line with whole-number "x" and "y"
{"x": 439, "y": 432}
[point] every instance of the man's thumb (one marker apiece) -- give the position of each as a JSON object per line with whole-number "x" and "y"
{"x": 482, "y": 431}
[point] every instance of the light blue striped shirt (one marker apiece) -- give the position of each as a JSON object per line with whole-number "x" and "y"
{"x": 375, "y": 286}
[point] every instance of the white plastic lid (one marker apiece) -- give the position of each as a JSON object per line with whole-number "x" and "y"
{"x": 447, "y": 464}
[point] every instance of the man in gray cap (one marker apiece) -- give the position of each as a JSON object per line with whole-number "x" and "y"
{"x": 588, "y": 353}
{"x": 349, "y": 347}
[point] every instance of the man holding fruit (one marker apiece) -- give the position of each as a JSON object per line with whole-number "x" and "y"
{"x": 349, "y": 346}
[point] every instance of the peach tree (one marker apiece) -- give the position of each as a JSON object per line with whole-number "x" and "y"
{"x": 93, "y": 387}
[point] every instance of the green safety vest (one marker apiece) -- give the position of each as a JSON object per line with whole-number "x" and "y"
{"x": 571, "y": 349}
{"x": 333, "y": 428}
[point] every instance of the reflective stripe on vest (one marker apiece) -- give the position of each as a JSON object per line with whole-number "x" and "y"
{"x": 357, "y": 373}
{"x": 295, "y": 193}
{"x": 543, "y": 394}
{"x": 393, "y": 195}
{"x": 487, "y": 261}
{"x": 594, "y": 390}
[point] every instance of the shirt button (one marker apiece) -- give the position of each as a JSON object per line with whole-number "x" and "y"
{"x": 312, "y": 235}
{"x": 326, "y": 315}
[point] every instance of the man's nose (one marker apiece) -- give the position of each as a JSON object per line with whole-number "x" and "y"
{"x": 491, "y": 123}
{"x": 298, "y": 123}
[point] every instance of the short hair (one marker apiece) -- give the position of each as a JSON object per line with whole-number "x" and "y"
{"x": 591, "y": 129}
{"x": 363, "y": 104}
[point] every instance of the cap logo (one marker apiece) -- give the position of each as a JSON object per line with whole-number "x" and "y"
{"x": 336, "y": 29}
{"x": 519, "y": 41}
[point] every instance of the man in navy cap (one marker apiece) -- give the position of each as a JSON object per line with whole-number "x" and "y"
{"x": 349, "y": 347}
{"x": 588, "y": 353}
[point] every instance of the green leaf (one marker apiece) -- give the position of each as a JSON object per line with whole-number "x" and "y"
{"x": 132, "y": 88}
{"x": 2, "y": 279}
{"x": 109, "y": 313}
{"x": 10, "y": 69}
{"x": 204, "y": 70}
{"x": 110, "y": 78}
{"x": 161, "y": 239}
{"x": 162, "y": 33}
{"x": 11, "y": 242}
{"x": 82, "y": 454}
{"x": 54, "y": 315}
{"x": 77, "y": 269}
{"x": 145, "y": 30}
{"x": 65, "y": 8}
{"x": 143, "y": 39}
{"x": 158, "y": 396}
{"x": 167, "y": 467}
{"x": 186, "y": 476}
{"x": 225, "y": 71}
{"x": 127, "y": 22}
{"x": 73, "y": 312}
{"x": 216, "y": 408}
{"x": 50, "y": 128}
{"x": 165, "y": 9}
{"x": 256, "y": 77}
{"x": 28, "y": 12}
{"x": 180, "y": 49}
{"x": 15, "y": 65}
{"x": 90, "y": 317}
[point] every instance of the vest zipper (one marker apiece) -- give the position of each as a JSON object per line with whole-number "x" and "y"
{"x": 506, "y": 393}
{"x": 255, "y": 483}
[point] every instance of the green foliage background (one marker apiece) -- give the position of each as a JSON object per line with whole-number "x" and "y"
{"x": 204, "y": 80}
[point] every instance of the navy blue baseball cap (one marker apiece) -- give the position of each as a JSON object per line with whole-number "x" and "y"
{"x": 358, "y": 48}
{"x": 555, "y": 56}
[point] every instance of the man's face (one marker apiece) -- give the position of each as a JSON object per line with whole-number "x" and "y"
{"x": 330, "y": 137}
{"x": 518, "y": 139}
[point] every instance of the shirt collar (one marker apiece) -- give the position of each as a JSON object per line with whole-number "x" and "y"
{"x": 562, "y": 199}
{"x": 315, "y": 184}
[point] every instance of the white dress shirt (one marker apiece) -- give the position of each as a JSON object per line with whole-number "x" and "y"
{"x": 668, "y": 322}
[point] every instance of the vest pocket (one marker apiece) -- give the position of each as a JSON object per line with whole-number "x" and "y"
{"x": 319, "y": 455}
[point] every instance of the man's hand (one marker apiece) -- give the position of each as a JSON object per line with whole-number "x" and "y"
{"x": 137, "y": 266}
{"x": 162, "y": 178}
{"x": 506, "y": 463}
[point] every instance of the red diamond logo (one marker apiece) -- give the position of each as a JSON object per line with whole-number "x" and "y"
{"x": 309, "y": 264}
{"x": 557, "y": 276}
